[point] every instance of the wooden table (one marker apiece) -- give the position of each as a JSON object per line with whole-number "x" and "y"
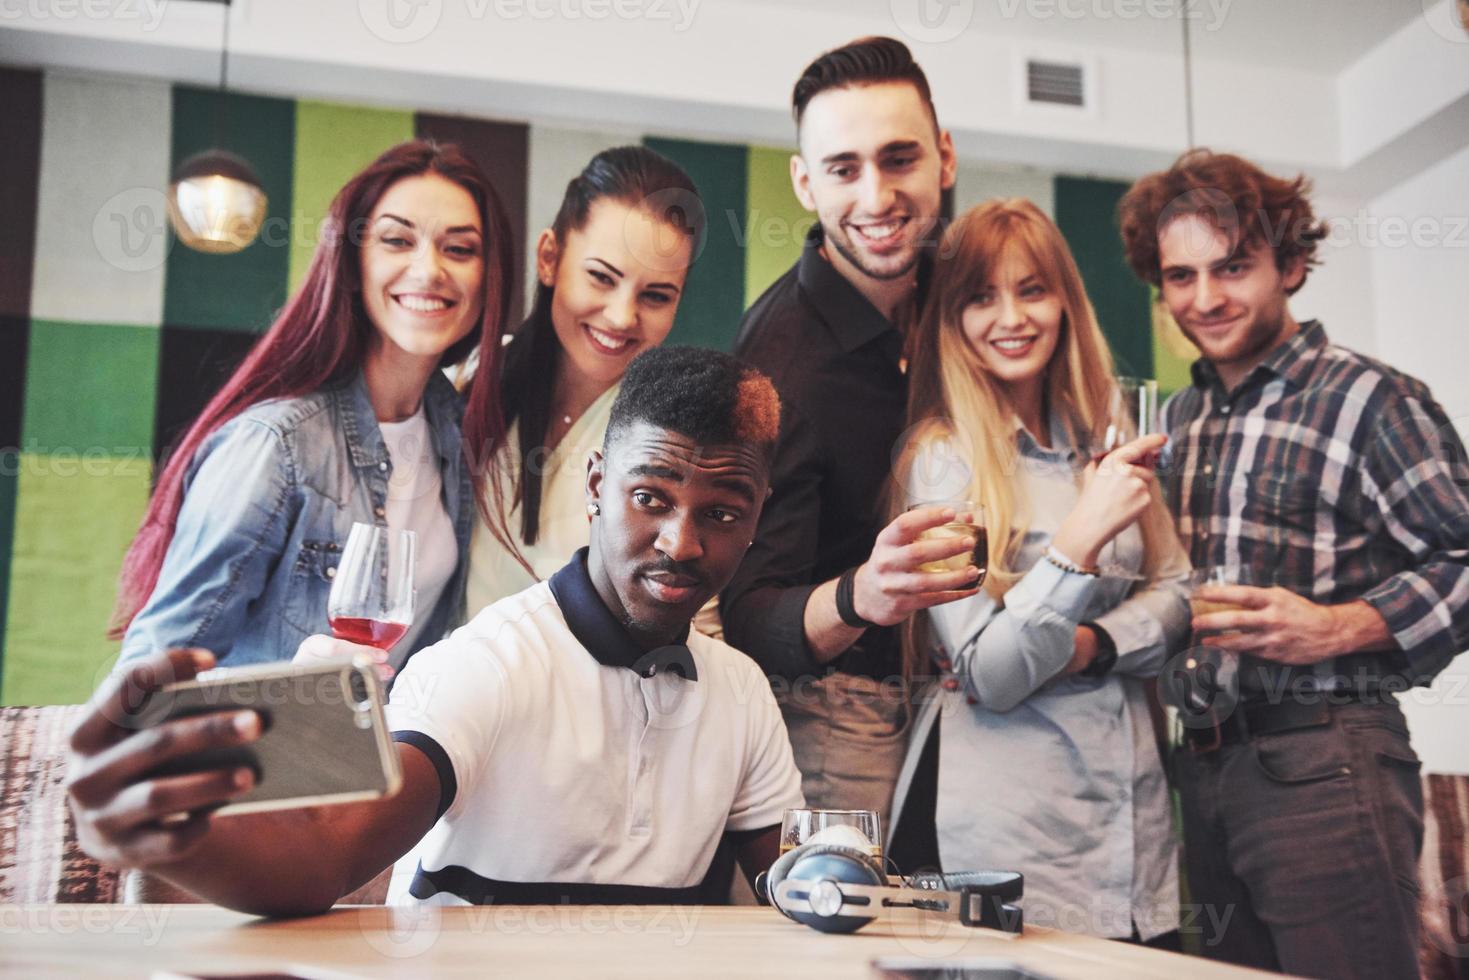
{"x": 524, "y": 941}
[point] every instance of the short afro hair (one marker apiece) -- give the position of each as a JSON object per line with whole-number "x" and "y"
{"x": 711, "y": 397}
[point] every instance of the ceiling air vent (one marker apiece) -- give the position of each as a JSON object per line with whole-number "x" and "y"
{"x": 1055, "y": 83}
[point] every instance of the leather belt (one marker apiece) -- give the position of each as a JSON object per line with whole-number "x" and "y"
{"x": 1250, "y": 719}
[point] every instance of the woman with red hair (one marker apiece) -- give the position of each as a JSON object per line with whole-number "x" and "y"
{"x": 340, "y": 414}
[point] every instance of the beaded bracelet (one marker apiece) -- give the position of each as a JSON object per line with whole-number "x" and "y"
{"x": 1067, "y": 565}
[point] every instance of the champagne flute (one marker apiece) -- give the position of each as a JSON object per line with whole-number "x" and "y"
{"x": 372, "y": 595}
{"x": 968, "y": 522}
{"x": 1134, "y": 415}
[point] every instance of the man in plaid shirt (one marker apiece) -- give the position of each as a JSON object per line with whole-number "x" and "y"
{"x": 1337, "y": 487}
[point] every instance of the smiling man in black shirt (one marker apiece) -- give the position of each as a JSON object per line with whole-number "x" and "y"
{"x": 828, "y": 577}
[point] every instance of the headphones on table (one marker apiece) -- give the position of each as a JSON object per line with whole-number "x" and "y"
{"x": 838, "y": 888}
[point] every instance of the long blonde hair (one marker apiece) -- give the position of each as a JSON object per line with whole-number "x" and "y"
{"x": 951, "y": 396}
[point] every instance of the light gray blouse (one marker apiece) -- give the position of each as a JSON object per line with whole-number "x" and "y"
{"x": 1057, "y": 777}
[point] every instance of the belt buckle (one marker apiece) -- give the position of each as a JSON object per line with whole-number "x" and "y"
{"x": 1215, "y": 729}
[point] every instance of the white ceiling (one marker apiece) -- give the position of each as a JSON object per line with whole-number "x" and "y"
{"x": 1322, "y": 36}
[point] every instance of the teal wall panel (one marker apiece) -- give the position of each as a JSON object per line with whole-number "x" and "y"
{"x": 1086, "y": 212}
{"x": 714, "y": 296}
{"x": 245, "y": 290}
{"x": 90, "y": 388}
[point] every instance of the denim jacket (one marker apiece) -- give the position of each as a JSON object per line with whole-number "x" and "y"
{"x": 269, "y": 499}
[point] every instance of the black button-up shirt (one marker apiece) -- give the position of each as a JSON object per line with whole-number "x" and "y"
{"x": 837, "y": 363}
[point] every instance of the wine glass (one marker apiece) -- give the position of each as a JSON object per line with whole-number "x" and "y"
{"x": 371, "y": 601}
{"x": 1134, "y": 414}
{"x": 852, "y": 828}
{"x": 968, "y": 522}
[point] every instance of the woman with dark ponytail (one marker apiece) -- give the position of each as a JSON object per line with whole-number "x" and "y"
{"x": 340, "y": 414}
{"x": 610, "y": 272}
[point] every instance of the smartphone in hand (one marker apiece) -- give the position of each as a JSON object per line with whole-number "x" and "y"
{"x": 325, "y": 738}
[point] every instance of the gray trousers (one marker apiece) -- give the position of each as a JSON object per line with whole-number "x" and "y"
{"x": 1302, "y": 847}
{"x": 849, "y": 736}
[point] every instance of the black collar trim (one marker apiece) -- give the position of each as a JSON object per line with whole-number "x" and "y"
{"x": 607, "y": 640}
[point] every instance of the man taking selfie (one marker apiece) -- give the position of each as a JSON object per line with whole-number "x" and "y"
{"x": 575, "y": 742}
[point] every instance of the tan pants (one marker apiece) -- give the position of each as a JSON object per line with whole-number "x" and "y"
{"x": 849, "y": 735}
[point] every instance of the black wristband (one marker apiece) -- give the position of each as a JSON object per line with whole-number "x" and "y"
{"x": 846, "y": 604}
{"x": 1106, "y": 657}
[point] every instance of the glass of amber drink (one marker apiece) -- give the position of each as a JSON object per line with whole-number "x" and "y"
{"x": 851, "y": 828}
{"x": 968, "y": 522}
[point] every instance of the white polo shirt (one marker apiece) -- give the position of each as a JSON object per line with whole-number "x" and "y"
{"x": 565, "y": 775}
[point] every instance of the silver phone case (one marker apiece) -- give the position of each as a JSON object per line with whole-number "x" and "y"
{"x": 325, "y": 741}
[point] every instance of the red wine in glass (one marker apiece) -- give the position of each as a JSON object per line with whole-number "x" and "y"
{"x": 372, "y": 593}
{"x": 368, "y": 632}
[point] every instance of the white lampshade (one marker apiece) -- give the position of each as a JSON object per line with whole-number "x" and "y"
{"x": 216, "y": 203}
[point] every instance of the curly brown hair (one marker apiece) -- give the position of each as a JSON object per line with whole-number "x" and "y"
{"x": 1250, "y": 206}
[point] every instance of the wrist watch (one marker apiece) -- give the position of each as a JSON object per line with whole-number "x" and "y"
{"x": 1106, "y": 657}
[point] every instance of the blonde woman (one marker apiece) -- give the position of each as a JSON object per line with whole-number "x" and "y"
{"x": 1036, "y": 751}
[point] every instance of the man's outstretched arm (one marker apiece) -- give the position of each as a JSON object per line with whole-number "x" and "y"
{"x": 289, "y": 862}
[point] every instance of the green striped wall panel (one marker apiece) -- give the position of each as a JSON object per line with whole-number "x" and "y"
{"x": 777, "y": 223}
{"x": 79, "y": 402}
{"x": 9, "y": 477}
{"x": 83, "y": 483}
{"x": 1173, "y": 353}
{"x": 108, "y": 266}
{"x": 333, "y": 142}
{"x": 243, "y": 291}
{"x": 977, "y": 183}
{"x": 20, "y": 164}
{"x": 714, "y": 295}
{"x": 1086, "y": 212}
{"x": 74, "y": 519}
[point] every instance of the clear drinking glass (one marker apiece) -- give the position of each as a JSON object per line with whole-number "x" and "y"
{"x": 968, "y": 522}
{"x": 852, "y": 828}
{"x": 372, "y": 594}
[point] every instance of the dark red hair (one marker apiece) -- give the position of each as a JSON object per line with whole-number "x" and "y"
{"x": 320, "y": 337}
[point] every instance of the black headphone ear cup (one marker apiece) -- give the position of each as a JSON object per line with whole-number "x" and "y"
{"x": 837, "y": 862}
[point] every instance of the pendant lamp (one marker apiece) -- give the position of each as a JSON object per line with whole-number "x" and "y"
{"x": 215, "y": 200}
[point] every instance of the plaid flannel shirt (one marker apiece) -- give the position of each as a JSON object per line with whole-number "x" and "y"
{"x": 1332, "y": 475}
